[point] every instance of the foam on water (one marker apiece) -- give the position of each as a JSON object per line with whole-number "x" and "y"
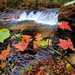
{"x": 49, "y": 16}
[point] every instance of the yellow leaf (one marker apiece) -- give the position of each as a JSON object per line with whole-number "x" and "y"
{"x": 8, "y": 47}
{"x": 49, "y": 42}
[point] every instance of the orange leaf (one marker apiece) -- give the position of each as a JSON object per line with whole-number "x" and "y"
{"x": 64, "y": 25}
{"x": 26, "y": 38}
{"x": 38, "y": 36}
{"x": 4, "y": 54}
{"x": 3, "y": 64}
{"x": 65, "y": 44}
{"x": 21, "y": 46}
{"x": 72, "y": 48}
{"x": 37, "y": 41}
{"x": 41, "y": 72}
{"x": 36, "y": 44}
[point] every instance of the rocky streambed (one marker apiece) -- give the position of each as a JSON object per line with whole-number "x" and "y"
{"x": 30, "y": 60}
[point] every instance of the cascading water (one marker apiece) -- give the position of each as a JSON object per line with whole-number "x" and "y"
{"x": 45, "y": 17}
{"x": 48, "y": 16}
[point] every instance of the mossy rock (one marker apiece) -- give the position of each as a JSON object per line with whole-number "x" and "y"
{"x": 67, "y": 13}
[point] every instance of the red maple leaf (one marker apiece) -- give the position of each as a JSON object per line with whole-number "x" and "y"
{"x": 65, "y": 44}
{"x": 21, "y": 46}
{"x": 64, "y": 25}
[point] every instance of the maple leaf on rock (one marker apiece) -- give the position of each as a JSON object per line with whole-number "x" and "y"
{"x": 64, "y": 25}
{"x": 65, "y": 44}
{"x": 21, "y": 46}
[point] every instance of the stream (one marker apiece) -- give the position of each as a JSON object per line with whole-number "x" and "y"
{"x": 33, "y": 22}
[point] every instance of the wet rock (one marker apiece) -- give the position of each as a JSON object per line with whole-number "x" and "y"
{"x": 67, "y": 13}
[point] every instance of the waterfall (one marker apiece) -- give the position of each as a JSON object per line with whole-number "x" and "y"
{"x": 45, "y": 17}
{"x": 48, "y": 16}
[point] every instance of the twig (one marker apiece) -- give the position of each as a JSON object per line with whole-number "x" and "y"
{"x": 62, "y": 56}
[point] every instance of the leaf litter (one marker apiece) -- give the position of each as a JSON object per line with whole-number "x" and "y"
{"x": 31, "y": 56}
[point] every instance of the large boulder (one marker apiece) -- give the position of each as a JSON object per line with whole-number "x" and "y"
{"x": 67, "y": 13}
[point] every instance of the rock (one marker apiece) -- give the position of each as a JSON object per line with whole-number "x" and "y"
{"x": 1, "y": 6}
{"x": 32, "y": 28}
{"x": 8, "y": 16}
{"x": 67, "y": 13}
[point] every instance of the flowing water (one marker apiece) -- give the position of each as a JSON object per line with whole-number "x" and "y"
{"x": 45, "y": 17}
{"x": 43, "y": 22}
{"x": 48, "y": 16}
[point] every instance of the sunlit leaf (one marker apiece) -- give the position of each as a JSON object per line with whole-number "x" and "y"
{"x": 36, "y": 44}
{"x": 49, "y": 42}
{"x": 37, "y": 41}
{"x": 4, "y": 54}
{"x": 44, "y": 44}
{"x": 29, "y": 67}
{"x": 64, "y": 25}
{"x": 38, "y": 36}
{"x": 21, "y": 46}
{"x": 3, "y": 64}
{"x": 68, "y": 66}
{"x": 17, "y": 36}
{"x": 8, "y": 47}
{"x": 26, "y": 38}
{"x": 65, "y": 44}
{"x": 4, "y": 34}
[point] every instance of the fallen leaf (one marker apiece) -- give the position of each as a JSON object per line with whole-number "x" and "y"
{"x": 68, "y": 66}
{"x": 64, "y": 25}
{"x": 4, "y": 34}
{"x": 26, "y": 38}
{"x": 72, "y": 48}
{"x": 21, "y": 46}
{"x": 36, "y": 44}
{"x": 49, "y": 42}
{"x": 3, "y": 64}
{"x": 65, "y": 44}
{"x": 8, "y": 47}
{"x": 16, "y": 36}
{"x": 38, "y": 36}
{"x": 4, "y": 54}
{"x": 41, "y": 72}
{"x": 37, "y": 41}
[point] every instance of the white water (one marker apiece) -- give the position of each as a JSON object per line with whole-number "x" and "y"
{"x": 30, "y": 16}
{"x": 43, "y": 17}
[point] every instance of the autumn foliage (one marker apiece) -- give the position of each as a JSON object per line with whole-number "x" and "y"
{"x": 65, "y": 44}
{"x": 64, "y": 25}
{"x": 4, "y": 54}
